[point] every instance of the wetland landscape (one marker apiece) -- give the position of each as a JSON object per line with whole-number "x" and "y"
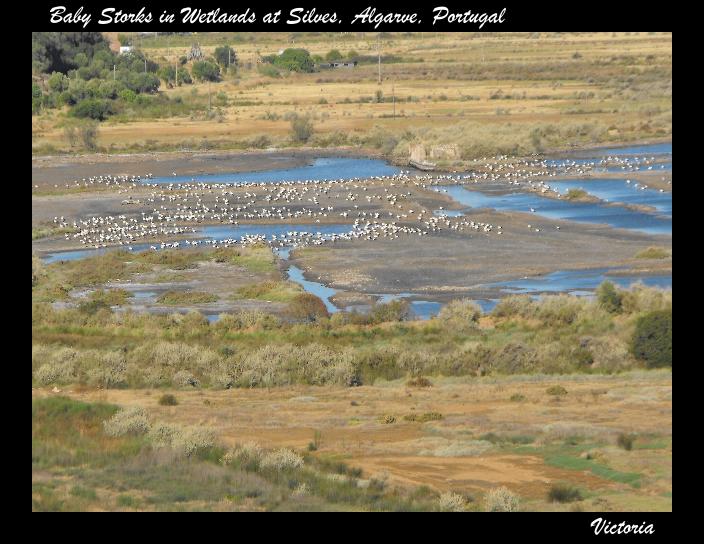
{"x": 447, "y": 287}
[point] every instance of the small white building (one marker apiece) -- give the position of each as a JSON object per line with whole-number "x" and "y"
{"x": 125, "y": 49}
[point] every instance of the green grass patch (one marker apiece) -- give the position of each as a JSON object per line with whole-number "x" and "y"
{"x": 278, "y": 291}
{"x": 423, "y": 418}
{"x": 177, "y": 298}
{"x": 653, "y": 253}
{"x": 570, "y": 462}
{"x": 45, "y": 232}
{"x": 576, "y": 194}
{"x": 111, "y": 297}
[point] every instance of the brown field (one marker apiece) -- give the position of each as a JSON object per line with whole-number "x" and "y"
{"x": 450, "y": 454}
{"x": 440, "y": 80}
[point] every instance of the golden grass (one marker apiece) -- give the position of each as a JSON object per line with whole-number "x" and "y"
{"x": 452, "y": 77}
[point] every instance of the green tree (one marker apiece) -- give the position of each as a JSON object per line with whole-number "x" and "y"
{"x": 295, "y": 60}
{"x": 93, "y": 108}
{"x": 333, "y": 55}
{"x": 184, "y": 76}
{"x": 36, "y": 97}
{"x": 225, "y": 56}
{"x": 204, "y": 70}
{"x": 168, "y": 74}
{"x": 63, "y": 51}
{"x": 128, "y": 95}
{"x": 652, "y": 339}
{"x": 58, "y": 82}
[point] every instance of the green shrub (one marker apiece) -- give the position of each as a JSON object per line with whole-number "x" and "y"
{"x": 301, "y": 128}
{"x": 556, "y": 391}
{"x": 204, "y": 70}
{"x": 307, "y": 307}
{"x": 653, "y": 253}
{"x": 93, "y": 108}
{"x": 396, "y": 310}
{"x": 576, "y": 194}
{"x": 268, "y": 70}
{"x": 452, "y": 502}
{"x": 609, "y": 298}
{"x": 168, "y": 399}
{"x": 501, "y": 499}
{"x": 564, "y": 493}
{"x": 463, "y": 312}
{"x": 225, "y": 56}
{"x": 625, "y": 441}
{"x": 175, "y": 298}
{"x": 517, "y": 397}
{"x": 130, "y": 421}
{"x": 652, "y": 339}
{"x": 294, "y": 60}
{"x": 423, "y": 418}
{"x": 419, "y": 381}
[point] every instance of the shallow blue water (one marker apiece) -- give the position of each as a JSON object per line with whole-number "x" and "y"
{"x": 645, "y": 150}
{"x": 315, "y": 288}
{"x": 583, "y": 212}
{"x": 579, "y": 282}
{"x": 617, "y": 190}
{"x": 320, "y": 169}
{"x": 635, "y": 167}
{"x": 635, "y": 155}
{"x": 422, "y": 309}
{"x": 77, "y": 254}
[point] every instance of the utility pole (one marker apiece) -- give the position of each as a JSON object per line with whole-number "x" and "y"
{"x": 114, "y": 74}
{"x": 393, "y": 97}
{"x": 145, "y": 64}
{"x": 177, "y": 72}
{"x": 209, "y": 103}
{"x": 378, "y": 47}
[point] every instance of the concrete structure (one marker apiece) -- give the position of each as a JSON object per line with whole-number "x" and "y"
{"x": 332, "y": 65}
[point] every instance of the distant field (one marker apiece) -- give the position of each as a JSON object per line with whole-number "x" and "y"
{"x": 485, "y": 93}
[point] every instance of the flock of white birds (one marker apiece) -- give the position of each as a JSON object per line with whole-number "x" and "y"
{"x": 379, "y": 206}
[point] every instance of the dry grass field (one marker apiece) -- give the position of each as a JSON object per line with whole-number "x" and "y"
{"x": 492, "y": 432}
{"x": 485, "y": 93}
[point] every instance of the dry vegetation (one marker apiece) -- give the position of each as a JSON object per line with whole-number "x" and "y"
{"x": 355, "y": 448}
{"x": 562, "y": 403}
{"x": 484, "y": 93}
